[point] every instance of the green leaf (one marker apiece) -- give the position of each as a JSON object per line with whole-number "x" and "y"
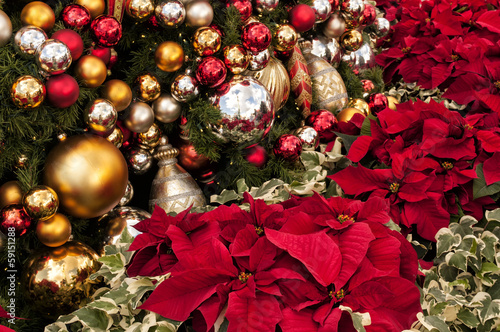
{"x": 359, "y": 320}
{"x": 457, "y": 259}
{"x": 494, "y": 290}
{"x": 433, "y": 323}
{"x": 311, "y": 159}
{"x": 490, "y": 241}
{"x": 114, "y": 262}
{"x": 480, "y": 189}
{"x": 468, "y": 318}
{"x": 493, "y": 215}
{"x": 347, "y": 140}
{"x": 107, "y": 305}
{"x": 266, "y": 189}
{"x": 225, "y": 196}
{"x": 393, "y": 226}
{"x": 241, "y": 186}
{"x": 97, "y": 320}
{"x": 366, "y": 127}
{"x": 446, "y": 240}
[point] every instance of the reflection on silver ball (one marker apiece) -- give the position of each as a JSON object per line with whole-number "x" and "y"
{"x": 382, "y": 26}
{"x": 247, "y": 111}
{"x": 115, "y": 221}
{"x": 364, "y": 57}
{"x": 127, "y": 197}
{"x": 309, "y": 138}
{"x": 335, "y": 26}
{"x": 260, "y": 60}
{"x": 139, "y": 160}
{"x": 139, "y": 117}
{"x": 170, "y": 14}
{"x": 166, "y": 108}
{"x": 101, "y": 116}
{"x": 5, "y": 28}
{"x": 184, "y": 88}
{"x": 53, "y": 57}
{"x": 322, "y": 9}
{"x": 265, "y": 5}
{"x": 328, "y": 49}
{"x": 28, "y": 39}
{"x": 350, "y": 58}
{"x": 199, "y": 13}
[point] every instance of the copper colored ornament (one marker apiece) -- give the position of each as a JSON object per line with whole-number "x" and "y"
{"x": 55, "y": 231}
{"x": 39, "y": 14}
{"x": 101, "y": 116}
{"x": 88, "y": 173}
{"x": 139, "y": 160}
{"x": 199, "y": 13}
{"x": 288, "y": 147}
{"x": 211, "y": 72}
{"x": 256, "y": 156}
{"x": 56, "y": 281}
{"x": 170, "y": 14}
{"x": 166, "y": 108}
{"x": 173, "y": 189}
{"x": 139, "y": 117}
{"x": 76, "y": 17}
{"x": 359, "y": 104}
{"x": 347, "y": 113}
{"x": 285, "y": 38}
{"x": 140, "y": 10}
{"x": 259, "y": 60}
{"x": 266, "y": 5}
{"x": 351, "y": 40}
{"x": 322, "y": 9}
{"x": 14, "y": 218}
{"x": 95, "y": 7}
{"x": 147, "y": 88}
{"x": 190, "y": 160}
{"x": 10, "y": 193}
{"x": 324, "y": 122}
{"x": 5, "y": 28}
{"x": 40, "y": 202}
{"x": 118, "y": 93}
{"x": 72, "y": 39}
{"x": 115, "y": 221}
{"x": 302, "y": 17}
{"x": 129, "y": 193}
{"x": 27, "y": 92}
{"x": 151, "y": 138}
{"x": 116, "y": 137}
{"x": 28, "y": 39}
{"x": 106, "y": 30}
{"x": 53, "y": 57}
{"x": 243, "y": 6}
{"x": 91, "y": 71}
{"x": 309, "y": 138}
{"x": 256, "y": 37}
{"x": 377, "y": 102}
{"x": 206, "y": 41}
{"x": 334, "y": 27}
{"x": 184, "y": 88}
{"x": 392, "y": 102}
{"x": 169, "y": 56}
{"x": 300, "y": 81}
{"x": 236, "y": 58}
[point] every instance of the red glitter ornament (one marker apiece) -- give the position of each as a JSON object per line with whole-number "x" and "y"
{"x": 256, "y": 37}
{"x": 257, "y": 156}
{"x": 72, "y": 39}
{"x": 211, "y": 72}
{"x": 288, "y": 147}
{"x": 324, "y": 122}
{"x": 243, "y": 6}
{"x": 103, "y": 53}
{"x": 302, "y": 17}
{"x": 62, "y": 90}
{"x": 377, "y": 102}
{"x": 106, "y": 30}
{"x": 368, "y": 15}
{"x": 13, "y": 217}
{"x": 76, "y": 17}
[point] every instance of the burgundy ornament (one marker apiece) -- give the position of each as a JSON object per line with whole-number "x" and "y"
{"x": 62, "y": 90}
{"x": 257, "y": 156}
{"x": 324, "y": 122}
{"x": 256, "y": 37}
{"x": 76, "y": 17}
{"x": 367, "y": 85}
{"x": 377, "y": 102}
{"x": 211, "y": 72}
{"x": 368, "y": 15}
{"x": 13, "y": 217}
{"x": 288, "y": 147}
{"x": 72, "y": 39}
{"x": 106, "y": 30}
{"x": 243, "y": 6}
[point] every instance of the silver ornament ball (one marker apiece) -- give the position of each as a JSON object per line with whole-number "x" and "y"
{"x": 28, "y": 39}
{"x": 5, "y": 28}
{"x": 184, "y": 88}
{"x": 382, "y": 26}
{"x": 247, "y": 111}
{"x": 139, "y": 160}
{"x": 115, "y": 221}
{"x": 334, "y": 27}
{"x": 364, "y": 57}
{"x": 166, "y": 108}
{"x": 127, "y": 197}
{"x": 322, "y": 9}
{"x": 260, "y": 60}
{"x": 139, "y": 117}
{"x": 199, "y": 13}
{"x": 265, "y": 5}
{"x": 170, "y": 14}
{"x": 53, "y": 57}
{"x": 327, "y": 48}
{"x": 309, "y": 138}
{"x": 101, "y": 116}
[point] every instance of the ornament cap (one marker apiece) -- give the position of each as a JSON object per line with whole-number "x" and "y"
{"x": 165, "y": 151}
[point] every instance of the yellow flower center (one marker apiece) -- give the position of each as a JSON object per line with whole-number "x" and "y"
{"x": 259, "y": 230}
{"x": 394, "y": 187}
{"x": 244, "y": 277}
{"x": 447, "y": 165}
{"x": 342, "y": 218}
{"x": 339, "y": 295}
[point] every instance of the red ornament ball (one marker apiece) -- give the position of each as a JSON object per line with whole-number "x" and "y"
{"x": 14, "y": 218}
{"x": 367, "y": 85}
{"x": 76, "y": 17}
{"x": 324, "y": 122}
{"x": 62, "y": 90}
{"x": 106, "y": 30}
{"x": 243, "y": 6}
{"x": 196, "y": 164}
{"x": 377, "y": 102}
{"x": 257, "y": 156}
{"x": 288, "y": 147}
{"x": 72, "y": 39}
{"x": 103, "y": 53}
{"x": 113, "y": 59}
{"x": 368, "y": 15}
{"x": 211, "y": 72}
{"x": 302, "y": 17}
{"x": 256, "y": 37}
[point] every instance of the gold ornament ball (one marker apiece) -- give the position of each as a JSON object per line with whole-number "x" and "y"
{"x": 10, "y": 193}
{"x": 39, "y": 14}
{"x": 169, "y": 56}
{"x": 28, "y": 92}
{"x": 56, "y": 280}
{"x": 147, "y": 87}
{"x": 199, "y": 13}
{"x": 236, "y": 58}
{"x": 95, "y": 7}
{"x": 91, "y": 71}
{"x": 140, "y": 9}
{"x": 117, "y": 92}
{"x": 40, "y": 202}
{"x": 116, "y": 137}
{"x": 359, "y": 104}
{"x": 151, "y": 138}
{"x": 54, "y": 232}
{"x": 285, "y": 38}
{"x": 392, "y": 102}
{"x": 206, "y": 41}
{"x": 347, "y": 113}
{"x": 88, "y": 173}
{"x": 351, "y": 40}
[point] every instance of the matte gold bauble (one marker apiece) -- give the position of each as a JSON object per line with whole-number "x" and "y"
{"x": 10, "y": 193}
{"x": 91, "y": 71}
{"x": 39, "y": 14}
{"x": 347, "y": 113}
{"x": 95, "y": 7}
{"x": 28, "y": 92}
{"x": 206, "y": 41}
{"x": 88, "y": 173}
{"x": 285, "y": 38}
{"x": 56, "y": 280}
{"x": 359, "y": 104}
{"x": 147, "y": 87}
{"x": 40, "y": 202}
{"x": 351, "y": 40}
{"x": 117, "y": 92}
{"x": 169, "y": 56}
{"x": 392, "y": 102}
{"x": 55, "y": 231}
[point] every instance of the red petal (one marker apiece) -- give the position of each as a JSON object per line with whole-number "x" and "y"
{"x": 490, "y": 20}
{"x": 301, "y": 321}
{"x": 490, "y": 141}
{"x": 262, "y": 255}
{"x": 428, "y": 215}
{"x": 358, "y": 180}
{"x": 359, "y": 148}
{"x": 490, "y": 169}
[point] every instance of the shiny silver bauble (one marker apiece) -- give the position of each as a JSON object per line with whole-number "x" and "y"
{"x": 53, "y": 57}
{"x": 327, "y": 48}
{"x": 28, "y": 39}
{"x": 184, "y": 88}
{"x": 260, "y": 60}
